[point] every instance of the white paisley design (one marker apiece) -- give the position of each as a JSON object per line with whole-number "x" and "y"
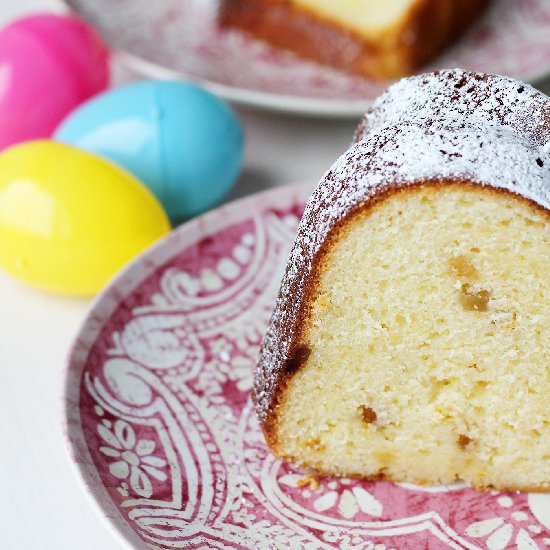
{"x": 498, "y": 535}
{"x": 135, "y": 460}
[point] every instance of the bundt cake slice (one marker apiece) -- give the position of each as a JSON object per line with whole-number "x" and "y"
{"x": 410, "y": 338}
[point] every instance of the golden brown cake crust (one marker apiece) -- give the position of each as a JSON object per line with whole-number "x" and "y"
{"x": 428, "y": 27}
{"x": 501, "y": 147}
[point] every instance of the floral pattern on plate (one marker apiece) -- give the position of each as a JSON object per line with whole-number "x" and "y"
{"x": 163, "y": 432}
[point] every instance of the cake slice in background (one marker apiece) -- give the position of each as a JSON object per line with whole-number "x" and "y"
{"x": 410, "y": 338}
{"x": 372, "y": 38}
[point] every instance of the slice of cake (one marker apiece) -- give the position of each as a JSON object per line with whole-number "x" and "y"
{"x": 370, "y": 38}
{"x": 410, "y": 338}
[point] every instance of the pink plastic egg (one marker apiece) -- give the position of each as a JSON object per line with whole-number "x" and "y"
{"x": 49, "y": 64}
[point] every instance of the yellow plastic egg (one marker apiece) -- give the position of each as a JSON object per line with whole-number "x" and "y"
{"x": 70, "y": 220}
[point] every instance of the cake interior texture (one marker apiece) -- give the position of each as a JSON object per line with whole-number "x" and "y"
{"x": 426, "y": 345}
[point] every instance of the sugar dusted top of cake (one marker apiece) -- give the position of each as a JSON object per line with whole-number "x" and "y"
{"x": 460, "y": 96}
{"x": 451, "y": 125}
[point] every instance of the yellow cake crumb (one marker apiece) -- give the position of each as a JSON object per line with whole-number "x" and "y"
{"x": 310, "y": 481}
{"x": 429, "y": 329}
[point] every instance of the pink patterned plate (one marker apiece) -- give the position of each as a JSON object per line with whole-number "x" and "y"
{"x": 182, "y": 38}
{"x": 164, "y": 437}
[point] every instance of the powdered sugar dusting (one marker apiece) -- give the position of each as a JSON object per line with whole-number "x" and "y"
{"x": 499, "y": 143}
{"x": 458, "y": 95}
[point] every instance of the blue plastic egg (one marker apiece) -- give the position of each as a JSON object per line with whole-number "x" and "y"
{"x": 181, "y": 141}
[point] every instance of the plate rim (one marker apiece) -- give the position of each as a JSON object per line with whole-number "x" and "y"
{"x": 281, "y": 103}
{"x": 274, "y": 102}
{"x": 76, "y": 447}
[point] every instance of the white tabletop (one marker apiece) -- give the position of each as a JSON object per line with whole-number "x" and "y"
{"x": 42, "y": 503}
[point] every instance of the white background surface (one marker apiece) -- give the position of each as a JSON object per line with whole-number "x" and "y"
{"x": 42, "y": 503}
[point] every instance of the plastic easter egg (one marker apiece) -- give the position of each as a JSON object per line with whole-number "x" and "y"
{"x": 49, "y": 64}
{"x": 68, "y": 219}
{"x": 179, "y": 139}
